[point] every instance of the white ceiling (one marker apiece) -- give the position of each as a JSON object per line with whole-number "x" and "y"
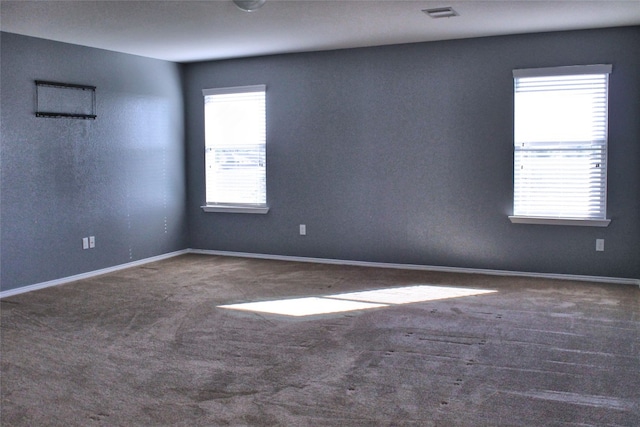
{"x": 186, "y": 31}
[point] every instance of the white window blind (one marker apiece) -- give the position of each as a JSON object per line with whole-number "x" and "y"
{"x": 235, "y": 146}
{"x": 560, "y": 142}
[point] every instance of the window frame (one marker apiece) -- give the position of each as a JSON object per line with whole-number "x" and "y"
{"x": 552, "y": 72}
{"x": 232, "y": 207}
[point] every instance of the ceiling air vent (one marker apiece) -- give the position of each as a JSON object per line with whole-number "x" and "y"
{"x": 441, "y": 12}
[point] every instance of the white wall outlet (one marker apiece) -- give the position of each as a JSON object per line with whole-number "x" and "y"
{"x": 85, "y": 243}
{"x": 303, "y": 230}
{"x": 92, "y": 242}
{"x": 600, "y": 245}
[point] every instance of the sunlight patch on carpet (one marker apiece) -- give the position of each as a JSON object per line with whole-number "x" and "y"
{"x": 303, "y": 306}
{"x": 354, "y": 301}
{"x": 410, "y": 294}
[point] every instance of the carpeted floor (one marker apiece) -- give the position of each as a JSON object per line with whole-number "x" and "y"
{"x": 150, "y": 346}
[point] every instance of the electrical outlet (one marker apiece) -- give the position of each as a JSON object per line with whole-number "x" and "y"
{"x": 85, "y": 243}
{"x": 303, "y": 230}
{"x": 92, "y": 242}
{"x": 600, "y": 245}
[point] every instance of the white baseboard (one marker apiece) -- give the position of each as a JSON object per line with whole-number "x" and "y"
{"x": 56, "y": 282}
{"x": 614, "y": 280}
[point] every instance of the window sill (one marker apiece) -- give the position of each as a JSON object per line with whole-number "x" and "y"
{"x": 245, "y": 209}
{"x": 559, "y": 221}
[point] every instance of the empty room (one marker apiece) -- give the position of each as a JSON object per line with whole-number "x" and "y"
{"x": 320, "y": 213}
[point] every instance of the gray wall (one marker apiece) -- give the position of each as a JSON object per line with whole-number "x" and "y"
{"x": 396, "y": 154}
{"x": 120, "y": 178}
{"x": 403, "y": 154}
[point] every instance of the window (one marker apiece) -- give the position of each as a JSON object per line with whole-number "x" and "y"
{"x": 560, "y": 145}
{"x": 235, "y": 149}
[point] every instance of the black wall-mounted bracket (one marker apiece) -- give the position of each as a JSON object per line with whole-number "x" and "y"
{"x": 65, "y": 100}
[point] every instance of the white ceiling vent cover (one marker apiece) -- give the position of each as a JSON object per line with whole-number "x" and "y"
{"x": 441, "y": 12}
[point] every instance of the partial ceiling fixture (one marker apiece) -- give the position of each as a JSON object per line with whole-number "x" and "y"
{"x": 249, "y": 5}
{"x": 440, "y": 12}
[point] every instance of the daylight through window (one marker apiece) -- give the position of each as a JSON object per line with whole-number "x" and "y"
{"x": 560, "y": 143}
{"x": 235, "y": 149}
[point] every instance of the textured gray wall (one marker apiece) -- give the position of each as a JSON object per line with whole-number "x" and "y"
{"x": 120, "y": 178}
{"x": 403, "y": 154}
{"x": 393, "y": 154}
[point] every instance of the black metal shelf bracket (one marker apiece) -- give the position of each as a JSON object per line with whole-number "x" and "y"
{"x": 66, "y": 115}
{"x": 57, "y": 103}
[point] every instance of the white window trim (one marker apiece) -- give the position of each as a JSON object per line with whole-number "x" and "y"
{"x": 518, "y": 219}
{"x": 559, "y": 71}
{"x": 563, "y": 71}
{"x": 247, "y": 209}
{"x": 235, "y": 89}
{"x": 235, "y": 208}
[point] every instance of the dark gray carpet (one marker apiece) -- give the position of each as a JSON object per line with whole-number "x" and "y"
{"x": 148, "y": 346}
